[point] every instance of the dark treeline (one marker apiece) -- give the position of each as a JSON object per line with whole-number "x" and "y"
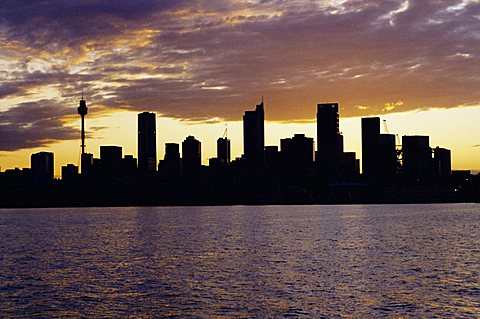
{"x": 295, "y": 173}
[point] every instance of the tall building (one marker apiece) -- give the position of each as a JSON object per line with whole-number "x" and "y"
{"x": 147, "y": 142}
{"x": 42, "y": 167}
{"x": 254, "y": 135}
{"x": 417, "y": 157}
{"x": 370, "y": 144}
{"x": 223, "y": 150}
{"x": 111, "y": 161}
{"x": 86, "y": 164}
{"x": 170, "y": 166}
{"x": 69, "y": 173}
{"x": 297, "y": 151}
{"x": 191, "y": 156}
{"x": 443, "y": 162}
{"x": 329, "y": 139}
{"x": 387, "y": 156}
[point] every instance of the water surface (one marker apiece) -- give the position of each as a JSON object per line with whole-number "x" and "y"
{"x": 371, "y": 261}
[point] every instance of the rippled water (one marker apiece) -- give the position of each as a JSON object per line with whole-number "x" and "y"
{"x": 372, "y": 261}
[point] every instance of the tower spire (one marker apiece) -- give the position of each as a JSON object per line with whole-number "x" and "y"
{"x": 83, "y": 110}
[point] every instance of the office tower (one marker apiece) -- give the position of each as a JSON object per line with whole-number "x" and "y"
{"x": 387, "y": 156}
{"x": 254, "y": 135}
{"x": 223, "y": 150}
{"x": 329, "y": 139}
{"x": 191, "y": 156}
{"x": 111, "y": 161}
{"x": 147, "y": 142}
{"x": 443, "y": 162}
{"x": 86, "y": 164}
{"x": 297, "y": 151}
{"x": 82, "y": 110}
{"x": 170, "y": 166}
{"x": 42, "y": 167}
{"x": 417, "y": 157}
{"x": 370, "y": 143}
{"x": 69, "y": 173}
{"x": 129, "y": 165}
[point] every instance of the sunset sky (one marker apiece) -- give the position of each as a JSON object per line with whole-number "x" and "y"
{"x": 201, "y": 64}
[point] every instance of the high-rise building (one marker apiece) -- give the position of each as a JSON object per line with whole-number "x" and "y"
{"x": 387, "y": 156}
{"x": 297, "y": 151}
{"x": 370, "y": 144}
{"x": 147, "y": 142}
{"x": 223, "y": 150}
{"x": 110, "y": 161}
{"x": 417, "y": 157}
{"x": 86, "y": 164}
{"x": 443, "y": 162}
{"x": 170, "y": 166}
{"x": 329, "y": 139}
{"x": 254, "y": 135}
{"x": 191, "y": 156}
{"x": 69, "y": 173}
{"x": 42, "y": 167}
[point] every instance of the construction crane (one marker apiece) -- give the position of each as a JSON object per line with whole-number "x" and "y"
{"x": 225, "y": 132}
{"x": 385, "y": 128}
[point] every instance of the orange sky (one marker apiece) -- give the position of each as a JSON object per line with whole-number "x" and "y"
{"x": 199, "y": 64}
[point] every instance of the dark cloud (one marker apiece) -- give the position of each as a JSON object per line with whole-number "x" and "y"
{"x": 198, "y": 60}
{"x": 34, "y": 124}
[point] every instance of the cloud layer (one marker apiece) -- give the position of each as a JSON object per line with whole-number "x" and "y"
{"x": 198, "y": 60}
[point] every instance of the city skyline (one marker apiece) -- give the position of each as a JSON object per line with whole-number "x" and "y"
{"x": 280, "y": 131}
{"x": 392, "y": 169}
{"x": 201, "y": 64}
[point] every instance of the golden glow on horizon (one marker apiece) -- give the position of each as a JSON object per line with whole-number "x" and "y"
{"x": 454, "y": 129}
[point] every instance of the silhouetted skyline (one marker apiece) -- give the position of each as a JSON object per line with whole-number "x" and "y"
{"x": 410, "y": 172}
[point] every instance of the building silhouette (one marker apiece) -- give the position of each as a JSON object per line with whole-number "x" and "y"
{"x": 379, "y": 152}
{"x": 69, "y": 173}
{"x": 170, "y": 167}
{"x": 298, "y": 151}
{"x": 417, "y": 157}
{"x": 223, "y": 150}
{"x": 370, "y": 144}
{"x": 191, "y": 156}
{"x": 386, "y": 157}
{"x": 110, "y": 161}
{"x": 442, "y": 162}
{"x": 42, "y": 167}
{"x": 254, "y": 135}
{"x": 329, "y": 139}
{"x": 147, "y": 142}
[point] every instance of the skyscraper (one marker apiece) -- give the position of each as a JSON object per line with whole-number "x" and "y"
{"x": 223, "y": 150}
{"x": 297, "y": 151}
{"x": 147, "y": 142}
{"x": 254, "y": 135}
{"x": 442, "y": 162}
{"x": 417, "y": 157}
{"x": 370, "y": 146}
{"x": 191, "y": 156}
{"x": 111, "y": 161}
{"x": 170, "y": 166}
{"x": 42, "y": 167}
{"x": 329, "y": 139}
